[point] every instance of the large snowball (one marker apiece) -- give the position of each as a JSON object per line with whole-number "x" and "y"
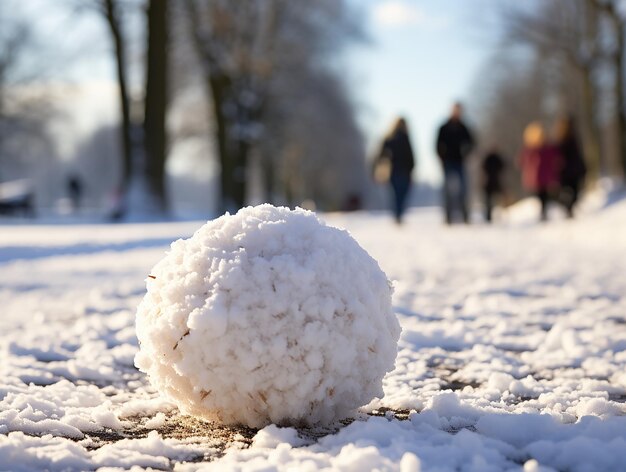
{"x": 267, "y": 316}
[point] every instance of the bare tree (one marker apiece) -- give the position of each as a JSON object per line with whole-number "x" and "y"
{"x": 616, "y": 53}
{"x": 312, "y": 148}
{"x": 316, "y": 151}
{"x": 156, "y": 97}
{"x": 588, "y": 35}
{"x": 25, "y": 109}
{"x": 567, "y": 29}
{"x": 251, "y": 53}
{"x": 232, "y": 41}
{"x": 111, "y": 12}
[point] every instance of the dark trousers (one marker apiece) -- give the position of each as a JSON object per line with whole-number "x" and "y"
{"x": 490, "y": 196}
{"x": 455, "y": 191}
{"x": 400, "y": 184}
{"x": 569, "y": 196}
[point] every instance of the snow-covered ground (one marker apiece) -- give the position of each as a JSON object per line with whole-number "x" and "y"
{"x": 512, "y": 356}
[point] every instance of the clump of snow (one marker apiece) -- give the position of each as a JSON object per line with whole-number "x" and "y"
{"x": 272, "y": 436}
{"x": 268, "y": 316}
{"x": 20, "y": 452}
{"x": 156, "y": 422}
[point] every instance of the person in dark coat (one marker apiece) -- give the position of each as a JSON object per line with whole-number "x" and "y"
{"x": 573, "y": 169}
{"x": 398, "y": 153}
{"x": 454, "y": 143}
{"x": 493, "y": 168}
{"x": 75, "y": 191}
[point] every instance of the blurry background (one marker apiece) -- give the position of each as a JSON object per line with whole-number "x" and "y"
{"x": 188, "y": 108}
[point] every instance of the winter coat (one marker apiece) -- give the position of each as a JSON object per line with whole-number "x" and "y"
{"x": 398, "y": 149}
{"x": 540, "y": 167}
{"x": 574, "y": 168}
{"x": 454, "y": 142}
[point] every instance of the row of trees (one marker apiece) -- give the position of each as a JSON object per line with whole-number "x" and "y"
{"x": 272, "y": 93}
{"x": 274, "y": 99}
{"x": 572, "y": 61}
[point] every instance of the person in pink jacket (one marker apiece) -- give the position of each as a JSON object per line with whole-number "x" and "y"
{"x": 540, "y": 163}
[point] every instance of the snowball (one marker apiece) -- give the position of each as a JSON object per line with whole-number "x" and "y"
{"x": 267, "y": 316}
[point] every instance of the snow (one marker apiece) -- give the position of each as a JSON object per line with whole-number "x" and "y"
{"x": 512, "y": 355}
{"x": 251, "y": 321}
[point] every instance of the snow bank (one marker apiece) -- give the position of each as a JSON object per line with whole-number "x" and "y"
{"x": 268, "y": 316}
{"x": 495, "y": 442}
{"x": 22, "y": 453}
{"x": 61, "y": 409}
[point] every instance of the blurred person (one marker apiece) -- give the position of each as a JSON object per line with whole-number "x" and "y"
{"x": 395, "y": 164}
{"x": 573, "y": 169}
{"x": 75, "y": 191}
{"x": 493, "y": 169}
{"x": 540, "y": 163}
{"x": 454, "y": 144}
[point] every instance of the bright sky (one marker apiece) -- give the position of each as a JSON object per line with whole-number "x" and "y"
{"x": 425, "y": 55}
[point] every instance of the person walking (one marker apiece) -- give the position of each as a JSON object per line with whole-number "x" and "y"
{"x": 75, "y": 191}
{"x": 396, "y": 161}
{"x": 454, "y": 144}
{"x": 540, "y": 164}
{"x": 574, "y": 169}
{"x": 493, "y": 168}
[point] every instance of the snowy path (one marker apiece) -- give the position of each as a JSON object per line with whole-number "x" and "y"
{"x": 513, "y": 350}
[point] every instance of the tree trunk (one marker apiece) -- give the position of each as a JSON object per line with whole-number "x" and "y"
{"x": 239, "y": 173}
{"x": 120, "y": 56}
{"x": 591, "y": 133}
{"x": 156, "y": 99}
{"x": 610, "y": 8}
{"x": 219, "y": 87}
{"x": 269, "y": 177}
{"x": 620, "y": 92}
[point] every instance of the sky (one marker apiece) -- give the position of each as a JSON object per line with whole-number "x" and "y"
{"x": 424, "y": 55}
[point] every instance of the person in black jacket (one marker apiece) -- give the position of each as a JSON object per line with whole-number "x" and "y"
{"x": 75, "y": 191}
{"x": 492, "y": 167}
{"x": 398, "y": 152}
{"x": 574, "y": 169}
{"x": 454, "y": 143}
